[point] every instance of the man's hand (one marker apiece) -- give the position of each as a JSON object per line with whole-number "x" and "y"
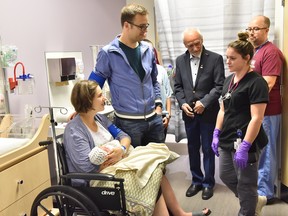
{"x": 188, "y": 110}
{"x": 165, "y": 121}
{"x": 158, "y": 110}
{"x": 199, "y": 107}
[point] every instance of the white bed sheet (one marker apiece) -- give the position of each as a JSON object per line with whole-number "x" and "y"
{"x": 10, "y": 144}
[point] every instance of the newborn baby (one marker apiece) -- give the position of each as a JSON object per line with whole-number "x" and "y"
{"x": 99, "y": 154}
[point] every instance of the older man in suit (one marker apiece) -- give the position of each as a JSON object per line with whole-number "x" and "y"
{"x": 198, "y": 84}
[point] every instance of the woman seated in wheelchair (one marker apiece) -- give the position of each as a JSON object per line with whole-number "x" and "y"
{"x": 93, "y": 144}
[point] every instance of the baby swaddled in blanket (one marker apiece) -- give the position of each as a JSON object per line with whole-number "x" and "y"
{"x": 98, "y": 154}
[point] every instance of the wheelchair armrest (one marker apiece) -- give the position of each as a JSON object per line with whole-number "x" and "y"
{"x": 92, "y": 176}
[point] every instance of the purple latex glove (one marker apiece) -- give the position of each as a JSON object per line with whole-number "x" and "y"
{"x": 215, "y": 141}
{"x": 241, "y": 154}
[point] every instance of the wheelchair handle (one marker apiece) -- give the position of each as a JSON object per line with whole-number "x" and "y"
{"x": 45, "y": 143}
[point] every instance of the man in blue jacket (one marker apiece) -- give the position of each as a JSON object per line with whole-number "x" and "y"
{"x": 130, "y": 68}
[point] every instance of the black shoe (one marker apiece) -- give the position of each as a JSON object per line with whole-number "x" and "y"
{"x": 207, "y": 193}
{"x": 193, "y": 190}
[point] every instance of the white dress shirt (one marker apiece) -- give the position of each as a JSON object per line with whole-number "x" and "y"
{"x": 194, "y": 63}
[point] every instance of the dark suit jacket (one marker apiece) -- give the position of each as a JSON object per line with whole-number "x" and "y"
{"x": 208, "y": 85}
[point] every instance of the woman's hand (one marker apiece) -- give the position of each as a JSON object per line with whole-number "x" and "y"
{"x": 215, "y": 141}
{"x": 114, "y": 156}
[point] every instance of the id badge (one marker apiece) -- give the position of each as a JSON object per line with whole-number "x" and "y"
{"x": 237, "y": 143}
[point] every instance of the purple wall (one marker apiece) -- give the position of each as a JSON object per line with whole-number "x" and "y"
{"x": 38, "y": 26}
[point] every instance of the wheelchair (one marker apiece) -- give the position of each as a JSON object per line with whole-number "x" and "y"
{"x": 81, "y": 200}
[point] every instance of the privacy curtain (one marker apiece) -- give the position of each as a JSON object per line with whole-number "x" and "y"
{"x": 219, "y": 22}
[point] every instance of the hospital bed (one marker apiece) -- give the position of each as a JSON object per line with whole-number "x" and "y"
{"x": 24, "y": 166}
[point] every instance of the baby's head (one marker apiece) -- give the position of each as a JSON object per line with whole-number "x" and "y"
{"x": 99, "y": 155}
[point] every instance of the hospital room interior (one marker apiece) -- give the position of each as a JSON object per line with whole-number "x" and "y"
{"x": 48, "y": 46}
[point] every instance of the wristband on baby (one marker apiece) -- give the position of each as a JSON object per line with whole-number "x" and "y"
{"x": 123, "y": 149}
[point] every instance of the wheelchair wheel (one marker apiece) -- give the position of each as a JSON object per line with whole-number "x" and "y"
{"x": 68, "y": 200}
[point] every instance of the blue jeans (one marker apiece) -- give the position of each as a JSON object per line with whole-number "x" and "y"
{"x": 267, "y": 171}
{"x": 199, "y": 134}
{"x": 142, "y": 131}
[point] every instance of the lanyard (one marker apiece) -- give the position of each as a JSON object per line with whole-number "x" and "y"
{"x": 258, "y": 48}
{"x": 232, "y": 86}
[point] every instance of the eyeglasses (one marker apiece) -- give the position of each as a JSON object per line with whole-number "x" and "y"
{"x": 142, "y": 27}
{"x": 255, "y": 29}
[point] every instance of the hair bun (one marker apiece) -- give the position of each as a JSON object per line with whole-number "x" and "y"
{"x": 243, "y": 36}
